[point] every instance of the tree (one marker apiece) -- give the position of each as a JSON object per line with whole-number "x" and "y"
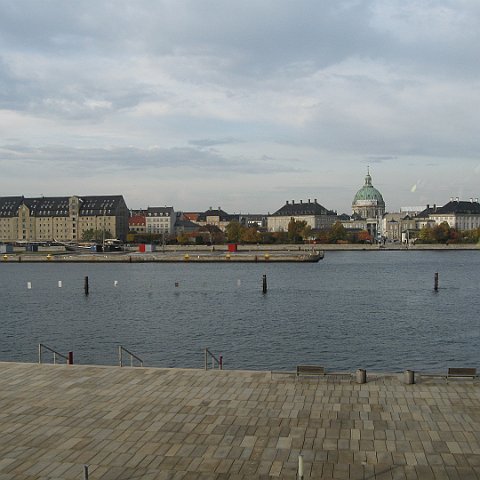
{"x": 250, "y": 235}
{"x": 364, "y": 237}
{"x": 337, "y": 232}
{"x": 234, "y": 231}
{"x": 426, "y": 235}
{"x": 441, "y": 233}
{"x": 183, "y": 238}
{"x": 295, "y": 228}
{"x": 323, "y": 236}
{"x": 306, "y": 231}
{"x": 88, "y": 235}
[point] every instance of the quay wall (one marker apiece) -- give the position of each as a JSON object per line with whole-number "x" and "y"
{"x": 310, "y": 247}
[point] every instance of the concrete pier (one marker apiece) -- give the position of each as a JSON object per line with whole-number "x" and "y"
{"x": 151, "y": 423}
{"x": 170, "y": 257}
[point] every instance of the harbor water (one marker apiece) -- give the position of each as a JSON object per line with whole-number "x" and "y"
{"x": 372, "y": 310}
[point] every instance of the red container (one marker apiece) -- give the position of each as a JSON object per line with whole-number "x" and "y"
{"x": 232, "y": 247}
{"x": 141, "y": 248}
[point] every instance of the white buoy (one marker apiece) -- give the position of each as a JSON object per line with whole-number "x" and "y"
{"x": 115, "y": 283}
{"x": 59, "y": 284}
{"x": 29, "y": 285}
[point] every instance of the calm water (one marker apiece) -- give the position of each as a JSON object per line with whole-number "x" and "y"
{"x": 373, "y": 310}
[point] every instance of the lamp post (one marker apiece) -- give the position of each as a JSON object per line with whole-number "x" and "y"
{"x": 103, "y": 233}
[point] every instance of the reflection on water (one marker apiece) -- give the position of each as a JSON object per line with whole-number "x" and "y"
{"x": 374, "y": 310}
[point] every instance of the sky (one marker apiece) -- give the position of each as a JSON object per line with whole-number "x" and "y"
{"x": 242, "y": 105}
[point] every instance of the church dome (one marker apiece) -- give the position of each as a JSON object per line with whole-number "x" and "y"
{"x": 368, "y": 195}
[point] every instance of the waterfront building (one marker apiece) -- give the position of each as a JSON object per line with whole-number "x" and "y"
{"x": 256, "y": 220}
{"x": 184, "y": 226}
{"x": 215, "y": 217}
{"x": 459, "y": 214}
{"x": 369, "y": 205}
{"x": 137, "y": 224}
{"x": 160, "y": 220}
{"x": 353, "y": 222}
{"x": 399, "y": 227}
{"x": 64, "y": 219}
{"x": 316, "y": 216}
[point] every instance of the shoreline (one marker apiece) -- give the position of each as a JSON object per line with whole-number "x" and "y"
{"x": 221, "y": 254}
{"x": 166, "y": 257}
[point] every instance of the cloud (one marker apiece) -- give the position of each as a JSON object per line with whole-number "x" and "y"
{"x": 107, "y": 160}
{"x": 380, "y": 158}
{"x": 266, "y": 88}
{"x": 209, "y": 142}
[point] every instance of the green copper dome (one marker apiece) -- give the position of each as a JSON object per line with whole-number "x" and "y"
{"x": 368, "y": 193}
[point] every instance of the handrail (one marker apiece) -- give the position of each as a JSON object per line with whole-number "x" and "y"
{"x": 55, "y": 353}
{"x": 122, "y": 349}
{"x": 218, "y": 360}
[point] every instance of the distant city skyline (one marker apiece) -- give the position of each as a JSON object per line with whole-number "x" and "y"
{"x": 240, "y": 105}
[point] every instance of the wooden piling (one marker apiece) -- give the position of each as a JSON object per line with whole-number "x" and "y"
{"x": 264, "y": 284}
{"x": 435, "y": 285}
{"x": 85, "y": 285}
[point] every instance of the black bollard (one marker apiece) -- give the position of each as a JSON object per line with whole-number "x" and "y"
{"x": 435, "y": 286}
{"x": 86, "y": 285}
{"x": 264, "y": 284}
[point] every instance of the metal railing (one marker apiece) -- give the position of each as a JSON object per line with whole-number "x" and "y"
{"x": 215, "y": 360}
{"x": 121, "y": 350}
{"x": 68, "y": 358}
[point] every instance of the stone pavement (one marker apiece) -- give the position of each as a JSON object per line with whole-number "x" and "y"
{"x": 151, "y": 423}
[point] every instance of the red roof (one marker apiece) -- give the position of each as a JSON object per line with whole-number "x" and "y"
{"x": 192, "y": 216}
{"x": 137, "y": 220}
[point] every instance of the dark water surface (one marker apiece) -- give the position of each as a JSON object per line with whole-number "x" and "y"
{"x": 373, "y": 310}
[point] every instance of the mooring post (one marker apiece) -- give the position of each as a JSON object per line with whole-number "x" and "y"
{"x": 85, "y": 285}
{"x": 264, "y": 284}
{"x": 409, "y": 376}
{"x": 220, "y": 362}
{"x": 206, "y": 359}
{"x": 361, "y": 375}
{"x": 70, "y": 358}
{"x": 300, "y": 467}
{"x": 435, "y": 286}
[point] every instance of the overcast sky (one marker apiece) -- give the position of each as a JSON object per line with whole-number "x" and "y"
{"x": 243, "y": 105}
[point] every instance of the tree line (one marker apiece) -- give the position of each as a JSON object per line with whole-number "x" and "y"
{"x": 298, "y": 231}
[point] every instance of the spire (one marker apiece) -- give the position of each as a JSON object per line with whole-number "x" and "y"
{"x": 368, "y": 178}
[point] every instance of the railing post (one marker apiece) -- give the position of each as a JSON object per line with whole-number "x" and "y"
{"x": 85, "y": 472}
{"x": 54, "y": 358}
{"x": 220, "y": 363}
{"x": 206, "y": 359}
{"x": 131, "y": 360}
{"x": 120, "y": 356}
{"x": 39, "y": 353}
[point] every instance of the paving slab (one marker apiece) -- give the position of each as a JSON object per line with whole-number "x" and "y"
{"x": 154, "y": 423}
